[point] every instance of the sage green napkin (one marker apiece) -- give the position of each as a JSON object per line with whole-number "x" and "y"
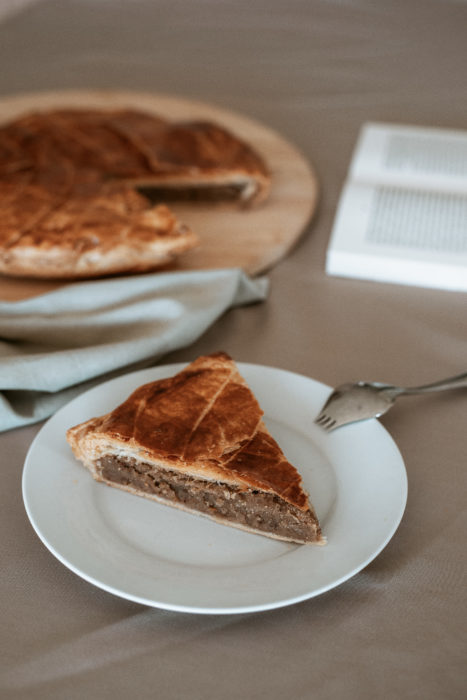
{"x": 54, "y": 346}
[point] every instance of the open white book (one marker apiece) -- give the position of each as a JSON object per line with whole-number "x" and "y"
{"x": 402, "y": 216}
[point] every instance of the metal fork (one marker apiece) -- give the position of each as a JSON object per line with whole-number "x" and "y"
{"x": 355, "y": 402}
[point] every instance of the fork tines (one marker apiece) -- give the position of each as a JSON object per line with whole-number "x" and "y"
{"x": 325, "y": 421}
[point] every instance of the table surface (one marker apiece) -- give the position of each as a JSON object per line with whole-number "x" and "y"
{"x": 313, "y": 71}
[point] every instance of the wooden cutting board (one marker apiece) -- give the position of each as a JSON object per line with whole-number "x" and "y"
{"x": 253, "y": 239}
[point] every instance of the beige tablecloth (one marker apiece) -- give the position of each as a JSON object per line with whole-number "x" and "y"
{"x": 313, "y": 70}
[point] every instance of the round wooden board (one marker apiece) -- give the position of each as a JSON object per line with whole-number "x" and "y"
{"x": 253, "y": 239}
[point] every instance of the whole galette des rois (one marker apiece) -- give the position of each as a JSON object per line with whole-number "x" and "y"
{"x": 77, "y": 189}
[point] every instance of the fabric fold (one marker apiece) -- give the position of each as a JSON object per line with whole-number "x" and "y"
{"x": 56, "y": 345}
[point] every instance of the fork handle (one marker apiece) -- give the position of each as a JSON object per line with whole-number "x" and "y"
{"x": 457, "y": 382}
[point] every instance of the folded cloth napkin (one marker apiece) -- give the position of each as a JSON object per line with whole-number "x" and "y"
{"x": 54, "y": 346}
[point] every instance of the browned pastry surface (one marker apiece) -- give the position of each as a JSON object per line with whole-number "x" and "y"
{"x": 112, "y": 230}
{"x": 203, "y": 424}
{"x": 62, "y": 149}
{"x": 67, "y": 196}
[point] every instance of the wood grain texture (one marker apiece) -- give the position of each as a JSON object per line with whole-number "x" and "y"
{"x": 254, "y": 239}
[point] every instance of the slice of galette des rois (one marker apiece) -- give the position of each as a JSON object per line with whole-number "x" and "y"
{"x": 197, "y": 441}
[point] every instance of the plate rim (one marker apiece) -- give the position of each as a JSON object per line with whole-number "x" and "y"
{"x": 165, "y": 370}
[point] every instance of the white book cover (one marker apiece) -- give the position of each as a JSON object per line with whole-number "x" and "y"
{"x": 402, "y": 215}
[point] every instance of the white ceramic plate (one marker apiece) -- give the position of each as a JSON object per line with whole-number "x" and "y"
{"x": 163, "y": 557}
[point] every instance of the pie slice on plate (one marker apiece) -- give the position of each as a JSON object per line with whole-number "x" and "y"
{"x": 197, "y": 441}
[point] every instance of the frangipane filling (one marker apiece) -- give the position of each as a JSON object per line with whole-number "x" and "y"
{"x": 203, "y": 192}
{"x": 247, "y": 507}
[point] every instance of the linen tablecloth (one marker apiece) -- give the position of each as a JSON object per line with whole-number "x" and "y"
{"x": 314, "y": 70}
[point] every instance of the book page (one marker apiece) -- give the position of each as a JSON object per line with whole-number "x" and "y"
{"x": 406, "y": 236}
{"x": 418, "y": 220}
{"x": 433, "y": 159}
